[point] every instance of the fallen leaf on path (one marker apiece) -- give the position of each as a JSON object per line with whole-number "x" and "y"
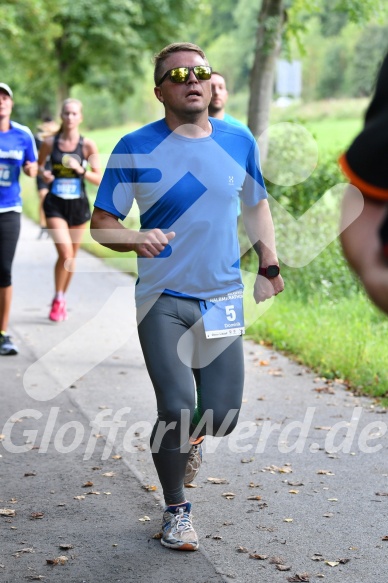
{"x": 109, "y": 474}
{"x": 247, "y": 460}
{"x": 62, "y": 560}
{"x": 157, "y": 535}
{"x": 385, "y": 538}
{"x": 299, "y": 577}
{"x": 254, "y": 498}
{"x": 293, "y": 491}
{"x": 277, "y": 561}
{"x": 323, "y": 427}
{"x": 36, "y": 515}
{"x": 7, "y": 512}
{"x": 295, "y": 484}
{"x": 2, "y": 436}
{"x": 29, "y": 474}
{"x": 228, "y": 495}
{"x": 381, "y": 493}
{"x": 242, "y": 550}
{"x": 66, "y": 547}
{"x": 23, "y": 550}
{"x": 288, "y": 520}
{"x": 317, "y": 557}
{"x": 150, "y": 487}
{"x": 217, "y": 537}
{"x": 116, "y": 457}
{"x": 332, "y": 499}
{"x": 35, "y": 577}
{"x": 93, "y": 492}
{"x": 79, "y": 497}
{"x": 332, "y": 563}
{"x": 191, "y": 485}
{"x": 87, "y": 484}
{"x": 258, "y": 557}
{"x": 283, "y": 567}
{"x": 145, "y": 519}
{"x": 218, "y": 480}
{"x": 286, "y": 469}
{"x": 327, "y": 390}
{"x": 325, "y": 473}
{"x": 276, "y": 372}
{"x": 141, "y": 447}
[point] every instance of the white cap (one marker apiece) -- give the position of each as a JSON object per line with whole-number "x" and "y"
{"x": 7, "y": 89}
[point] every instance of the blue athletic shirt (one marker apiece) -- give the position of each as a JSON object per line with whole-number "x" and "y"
{"x": 192, "y": 187}
{"x": 17, "y": 146}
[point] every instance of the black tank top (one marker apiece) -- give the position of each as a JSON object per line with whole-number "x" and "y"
{"x": 67, "y": 184}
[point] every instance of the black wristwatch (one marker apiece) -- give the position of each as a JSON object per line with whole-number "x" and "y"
{"x": 270, "y": 271}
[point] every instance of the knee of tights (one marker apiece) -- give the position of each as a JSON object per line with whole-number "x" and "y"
{"x": 221, "y": 423}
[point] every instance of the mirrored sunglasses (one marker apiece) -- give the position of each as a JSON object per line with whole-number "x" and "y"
{"x": 181, "y": 74}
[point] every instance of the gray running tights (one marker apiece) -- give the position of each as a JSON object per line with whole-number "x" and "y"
{"x": 180, "y": 362}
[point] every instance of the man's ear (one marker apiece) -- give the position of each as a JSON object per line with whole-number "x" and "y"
{"x": 158, "y": 94}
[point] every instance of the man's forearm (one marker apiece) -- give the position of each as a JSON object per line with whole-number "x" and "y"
{"x": 260, "y": 230}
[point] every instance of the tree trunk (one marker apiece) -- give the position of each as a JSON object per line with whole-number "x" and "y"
{"x": 268, "y": 40}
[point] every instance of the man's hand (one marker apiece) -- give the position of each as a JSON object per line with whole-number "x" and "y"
{"x": 30, "y": 169}
{"x": 152, "y": 243}
{"x": 265, "y": 288}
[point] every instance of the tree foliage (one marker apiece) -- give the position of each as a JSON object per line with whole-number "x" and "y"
{"x": 61, "y": 43}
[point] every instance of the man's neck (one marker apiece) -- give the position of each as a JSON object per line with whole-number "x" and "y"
{"x": 193, "y": 126}
{"x": 5, "y": 124}
{"x": 217, "y": 113}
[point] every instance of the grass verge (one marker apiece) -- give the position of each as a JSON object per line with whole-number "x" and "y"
{"x": 345, "y": 339}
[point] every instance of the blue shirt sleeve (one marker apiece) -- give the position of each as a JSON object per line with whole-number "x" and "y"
{"x": 116, "y": 193}
{"x": 253, "y": 190}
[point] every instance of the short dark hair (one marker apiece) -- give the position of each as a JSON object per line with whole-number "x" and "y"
{"x": 170, "y": 49}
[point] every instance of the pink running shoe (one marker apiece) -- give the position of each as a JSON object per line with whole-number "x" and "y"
{"x": 58, "y": 311}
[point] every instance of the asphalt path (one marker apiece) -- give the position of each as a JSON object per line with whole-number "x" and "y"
{"x": 299, "y": 491}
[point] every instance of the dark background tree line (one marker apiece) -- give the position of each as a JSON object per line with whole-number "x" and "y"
{"x": 51, "y": 48}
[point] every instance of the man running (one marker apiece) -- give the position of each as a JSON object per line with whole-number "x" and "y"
{"x": 17, "y": 152}
{"x": 219, "y": 99}
{"x": 186, "y": 173}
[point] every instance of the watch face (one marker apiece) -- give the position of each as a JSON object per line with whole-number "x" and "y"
{"x": 273, "y": 271}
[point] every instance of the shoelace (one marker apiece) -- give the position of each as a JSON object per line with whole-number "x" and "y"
{"x": 182, "y": 520}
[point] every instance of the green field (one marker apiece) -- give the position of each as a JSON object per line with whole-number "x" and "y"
{"x": 338, "y": 334}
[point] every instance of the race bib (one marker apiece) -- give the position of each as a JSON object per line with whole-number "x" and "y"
{"x": 223, "y": 316}
{"x": 67, "y": 188}
{"x": 8, "y": 174}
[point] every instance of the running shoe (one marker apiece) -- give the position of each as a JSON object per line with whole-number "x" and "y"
{"x": 58, "y": 311}
{"x": 177, "y": 529}
{"x": 194, "y": 462}
{"x": 7, "y": 347}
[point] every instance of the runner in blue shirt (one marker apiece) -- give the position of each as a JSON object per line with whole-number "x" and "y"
{"x": 17, "y": 151}
{"x": 187, "y": 173}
